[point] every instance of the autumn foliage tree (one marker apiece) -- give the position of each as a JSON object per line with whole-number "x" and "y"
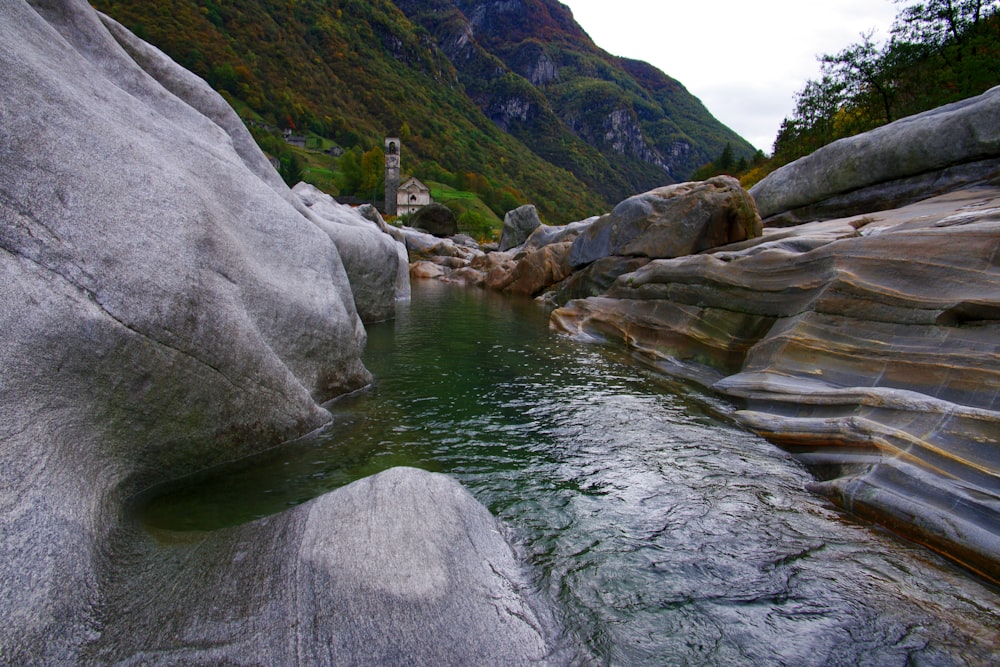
{"x": 938, "y": 51}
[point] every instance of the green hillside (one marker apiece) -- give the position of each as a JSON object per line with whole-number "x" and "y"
{"x": 535, "y": 113}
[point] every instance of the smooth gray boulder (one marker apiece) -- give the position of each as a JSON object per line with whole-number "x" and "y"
{"x": 671, "y": 221}
{"x": 165, "y": 306}
{"x": 518, "y": 225}
{"x": 914, "y": 158}
{"x": 547, "y": 234}
{"x": 402, "y": 568}
{"x": 169, "y": 304}
{"x": 377, "y": 264}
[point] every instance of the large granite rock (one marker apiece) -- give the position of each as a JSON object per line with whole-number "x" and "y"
{"x": 377, "y": 264}
{"x": 539, "y": 269}
{"x": 671, "y": 221}
{"x": 867, "y": 345}
{"x": 518, "y": 226}
{"x": 938, "y": 151}
{"x": 168, "y": 304}
{"x": 403, "y": 568}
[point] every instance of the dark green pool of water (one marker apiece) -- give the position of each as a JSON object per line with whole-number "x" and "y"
{"x": 662, "y": 533}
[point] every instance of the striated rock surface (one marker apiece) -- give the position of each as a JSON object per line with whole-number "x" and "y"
{"x": 935, "y": 152}
{"x": 168, "y": 304}
{"x": 868, "y": 345}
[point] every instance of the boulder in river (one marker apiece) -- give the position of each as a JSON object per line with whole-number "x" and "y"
{"x": 435, "y": 219}
{"x": 671, "y": 221}
{"x": 404, "y": 567}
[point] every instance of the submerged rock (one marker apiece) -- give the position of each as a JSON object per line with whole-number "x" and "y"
{"x": 873, "y": 334}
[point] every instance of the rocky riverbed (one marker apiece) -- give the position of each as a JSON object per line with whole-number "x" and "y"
{"x": 169, "y": 305}
{"x": 856, "y": 325}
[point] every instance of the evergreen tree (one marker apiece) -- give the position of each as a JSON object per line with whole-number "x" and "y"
{"x": 349, "y": 164}
{"x": 290, "y": 169}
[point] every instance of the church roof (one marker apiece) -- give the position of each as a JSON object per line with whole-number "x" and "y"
{"x": 412, "y": 183}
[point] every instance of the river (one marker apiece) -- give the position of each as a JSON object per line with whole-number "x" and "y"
{"x": 662, "y": 533}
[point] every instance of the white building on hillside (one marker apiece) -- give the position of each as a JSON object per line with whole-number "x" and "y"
{"x": 412, "y": 196}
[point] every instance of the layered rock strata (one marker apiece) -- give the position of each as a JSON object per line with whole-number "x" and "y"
{"x": 866, "y": 344}
{"x": 168, "y": 304}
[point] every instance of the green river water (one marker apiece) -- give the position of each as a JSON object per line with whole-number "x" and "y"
{"x": 661, "y": 532}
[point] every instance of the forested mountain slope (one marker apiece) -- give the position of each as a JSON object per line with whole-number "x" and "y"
{"x": 513, "y": 94}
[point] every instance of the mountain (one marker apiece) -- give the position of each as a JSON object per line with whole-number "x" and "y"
{"x": 510, "y": 93}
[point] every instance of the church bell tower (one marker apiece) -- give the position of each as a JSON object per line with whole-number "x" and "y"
{"x": 392, "y": 150}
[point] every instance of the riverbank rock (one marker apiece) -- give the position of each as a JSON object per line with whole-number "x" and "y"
{"x": 517, "y": 226}
{"x": 377, "y": 265}
{"x": 539, "y": 269}
{"x": 932, "y": 153}
{"x": 435, "y": 219}
{"x": 866, "y": 345}
{"x": 672, "y": 221}
{"x": 169, "y": 304}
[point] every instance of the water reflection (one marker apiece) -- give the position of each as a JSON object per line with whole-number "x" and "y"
{"x": 666, "y": 535}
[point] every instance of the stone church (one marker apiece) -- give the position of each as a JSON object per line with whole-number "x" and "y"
{"x": 412, "y": 196}
{"x": 406, "y": 198}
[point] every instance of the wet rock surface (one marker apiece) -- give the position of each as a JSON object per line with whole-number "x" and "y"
{"x": 872, "y": 334}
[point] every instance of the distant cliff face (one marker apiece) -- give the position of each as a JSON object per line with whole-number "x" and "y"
{"x": 539, "y": 76}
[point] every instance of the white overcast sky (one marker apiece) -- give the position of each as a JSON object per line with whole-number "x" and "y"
{"x": 744, "y": 59}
